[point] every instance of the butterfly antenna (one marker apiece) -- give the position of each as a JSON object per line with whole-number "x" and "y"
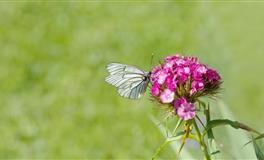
{"x": 152, "y": 57}
{"x": 160, "y": 62}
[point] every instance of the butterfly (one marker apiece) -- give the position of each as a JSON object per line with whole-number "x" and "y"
{"x": 130, "y": 81}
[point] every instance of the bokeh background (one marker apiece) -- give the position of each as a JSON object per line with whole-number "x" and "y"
{"x": 54, "y": 102}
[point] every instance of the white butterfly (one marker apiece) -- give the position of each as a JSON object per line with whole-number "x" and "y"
{"x": 130, "y": 81}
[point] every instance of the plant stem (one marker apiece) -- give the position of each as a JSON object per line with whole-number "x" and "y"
{"x": 177, "y": 126}
{"x": 184, "y": 137}
{"x": 203, "y": 145}
{"x": 160, "y": 149}
{"x": 168, "y": 140}
{"x": 164, "y": 144}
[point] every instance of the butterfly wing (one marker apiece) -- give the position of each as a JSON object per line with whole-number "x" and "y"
{"x": 130, "y": 81}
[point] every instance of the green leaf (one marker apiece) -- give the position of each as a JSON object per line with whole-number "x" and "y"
{"x": 260, "y": 136}
{"x": 232, "y": 149}
{"x": 212, "y": 145}
{"x": 234, "y": 124}
{"x": 256, "y": 138}
{"x": 211, "y": 139}
{"x": 257, "y": 149}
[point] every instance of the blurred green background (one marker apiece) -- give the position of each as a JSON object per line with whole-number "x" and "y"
{"x": 54, "y": 101}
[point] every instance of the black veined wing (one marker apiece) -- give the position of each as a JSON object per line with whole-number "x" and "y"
{"x": 130, "y": 81}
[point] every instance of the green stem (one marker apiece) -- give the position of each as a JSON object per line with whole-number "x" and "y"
{"x": 168, "y": 140}
{"x": 184, "y": 137}
{"x": 177, "y": 126}
{"x": 164, "y": 144}
{"x": 234, "y": 124}
{"x": 203, "y": 145}
{"x": 160, "y": 149}
{"x": 210, "y": 134}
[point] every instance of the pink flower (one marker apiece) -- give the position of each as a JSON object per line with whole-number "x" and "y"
{"x": 191, "y": 60}
{"x": 155, "y": 73}
{"x": 182, "y": 76}
{"x": 167, "y": 96}
{"x": 212, "y": 75}
{"x": 168, "y": 66}
{"x": 178, "y": 102}
{"x": 162, "y": 75}
{"x": 182, "y": 73}
{"x": 172, "y": 58}
{"x": 171, "y": 82}
{"x": 184, "y": 109}
{"x": 198, "y": 72}
{"x": 201, "y": 69}
{"x": 196, "y": 86}
{"x": 186, "y": 70}
{"x": 180, "y": 62}
{"x": 155, "y": 89}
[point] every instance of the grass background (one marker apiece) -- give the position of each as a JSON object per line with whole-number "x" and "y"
{"x": 54, "y": 102}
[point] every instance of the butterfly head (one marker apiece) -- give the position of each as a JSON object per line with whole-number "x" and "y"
{"x": 147, "y": 76}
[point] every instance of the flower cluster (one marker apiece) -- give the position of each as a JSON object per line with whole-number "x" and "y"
{"x": 180, "y": 80}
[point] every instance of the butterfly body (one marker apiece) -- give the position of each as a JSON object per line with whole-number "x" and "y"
{"x": 130, "y": 81}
